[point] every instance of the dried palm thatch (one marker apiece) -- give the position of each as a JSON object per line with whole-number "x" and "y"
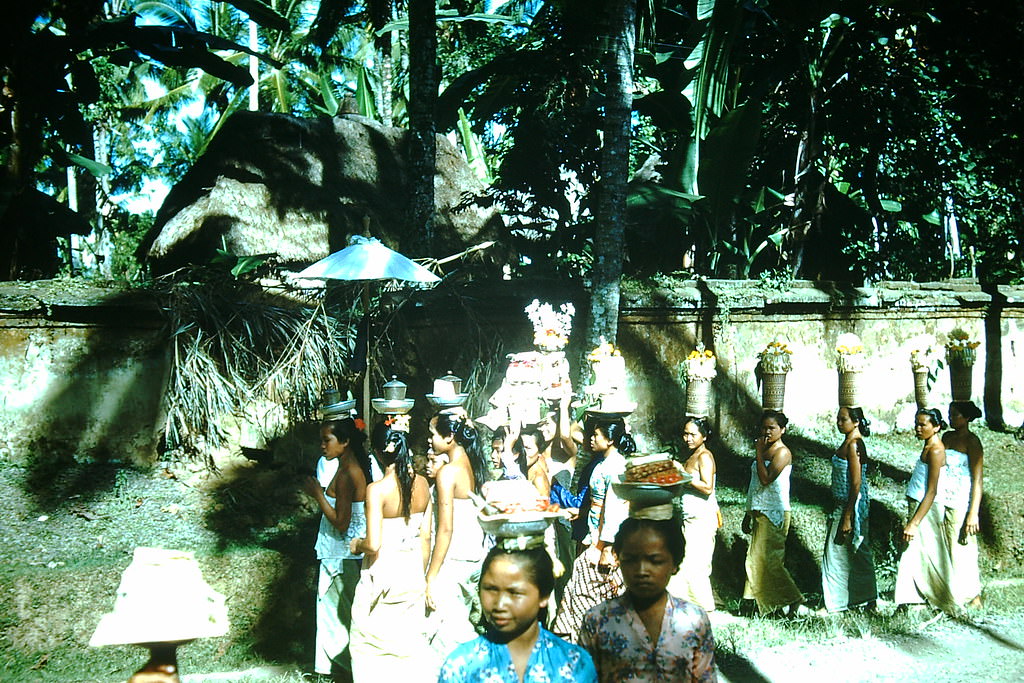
{"x": 233, "y": 346}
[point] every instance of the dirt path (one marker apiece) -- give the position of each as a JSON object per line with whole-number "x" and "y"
{"x": 991, "y": 650}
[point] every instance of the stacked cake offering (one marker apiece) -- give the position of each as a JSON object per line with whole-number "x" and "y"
{"x": 534, "y": 379}
{"x": 606, "y": 393}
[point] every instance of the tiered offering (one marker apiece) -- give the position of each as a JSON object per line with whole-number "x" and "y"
{"x": 606, "y": 392}
{"x": 961, "y": 354}
{"x": 697, "y": 371}
{"x": 850, "y": 361}
{"x": 533, "y": 379}
{"x": 924, "y": 361}
{"x": 774, "y": 362}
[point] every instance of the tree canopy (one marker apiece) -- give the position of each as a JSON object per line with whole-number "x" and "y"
{"x": 856, "y": 141}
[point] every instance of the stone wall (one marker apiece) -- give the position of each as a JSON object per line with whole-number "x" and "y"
{"x": 82, "y": 373}
{"x": 736, "y": 320}
{"x": 82, "y": 370}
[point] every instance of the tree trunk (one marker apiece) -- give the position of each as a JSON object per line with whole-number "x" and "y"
{"x": 610, "y": 218}
{"x": 380, "y": 14}
{"x": 423, "y": 83}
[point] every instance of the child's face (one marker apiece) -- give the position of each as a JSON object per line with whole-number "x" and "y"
{"x": 496, "y": 446}
{"x": 510, "y": 600}
{"x": 646, "y": 564}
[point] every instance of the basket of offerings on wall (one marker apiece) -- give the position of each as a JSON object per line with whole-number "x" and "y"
{"x": 924, "y": 362}
{"x": 961, "y": 353}
{"x": 773, "y": 363}
{"x": 697, "y": 372}
{"x": 850, "y": 360}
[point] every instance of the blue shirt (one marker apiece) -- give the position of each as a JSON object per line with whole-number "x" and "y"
{"x": 552, "y": 661}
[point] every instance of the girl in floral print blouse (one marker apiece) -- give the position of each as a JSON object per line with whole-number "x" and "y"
{"x": 647, "y": 634}
{"x": 516, "y": 581}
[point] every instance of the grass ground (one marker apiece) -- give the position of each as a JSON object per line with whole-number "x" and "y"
{"x": 67, "y": 533}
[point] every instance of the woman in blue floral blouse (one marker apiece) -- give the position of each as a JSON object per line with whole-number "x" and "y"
{"x": 648, "y": 634}
{"x": 515, "y": 587}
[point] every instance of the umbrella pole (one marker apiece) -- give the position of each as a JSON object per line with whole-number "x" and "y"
{"x": 366, "y": 371}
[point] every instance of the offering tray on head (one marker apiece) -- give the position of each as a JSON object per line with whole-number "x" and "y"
{"x": 386, "y": 406}
{"x": 644, "y": 493}
{"x": 525, "y": 523}
{"x": 339, "y": 409}
{"x": 441, "y": 402}
{"x": 622, "y": 412}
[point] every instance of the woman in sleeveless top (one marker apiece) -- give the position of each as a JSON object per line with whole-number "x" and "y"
{"x": 924, "y": 567}
{"x": 767, "y": 522}
{"x": 388, "y": 624}
{"x": 964, "y": 467}
{"x": 847, "y": 568}
{"x": 595, "y": 573}
{"x": 700, "y": 518}
{"x": 341, "y": 503}
{"x": 458, "y": 467}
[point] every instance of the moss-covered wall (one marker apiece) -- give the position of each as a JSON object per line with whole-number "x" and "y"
{"x": 659, "y": 327}
{"x": 82, "y": 369}
{"x": 82, "y": 373}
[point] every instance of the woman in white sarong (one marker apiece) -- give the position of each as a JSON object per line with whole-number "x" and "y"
{"x": 388, "y": 624}
{"x": 924, "y": 568}
{"x": 700, "y": 518}
{"x": 459, "y": 468}
{"x": 847, "y": 568}
{"x": 341, "y": 502}
{"x": 965, "y": 458}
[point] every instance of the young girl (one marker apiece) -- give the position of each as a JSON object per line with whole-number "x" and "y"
{"x": 458, "y": 548}
{"x": 924, "y": 569}
{"x": 388, "y": 625}
{"x": 847, "y": 569}
{"x": 515, "y": 586}
{"x": 595, "y": 575}
{"x": 965, "y": 457}
{"x": 648, "y": 634}
{"x": 341, "y": 503}
{"x": 700, "y": 518}
{"x": 767, "y": 521}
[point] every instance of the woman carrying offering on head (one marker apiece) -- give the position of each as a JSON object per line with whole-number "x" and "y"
{"x": 458, "y": 466}
{"x": 847, "y": 568}
{"x": 700, "y": 518}
{"x": 767, "y": 521}
{"x": 648, "y": 634}
{"x": 595, "y": 573}
{"x": 924, "y": 568}
{"x": 341, "y": 503}
{"x": 515, "y": 587}
{"x": 388, "y": 624}
{"x": 965, "y": 458}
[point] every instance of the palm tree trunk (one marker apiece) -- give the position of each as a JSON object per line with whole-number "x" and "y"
{"x": 611, "y": 207}
{"x": 423, "y": 83}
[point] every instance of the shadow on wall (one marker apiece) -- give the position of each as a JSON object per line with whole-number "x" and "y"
{"x": 733, "y": 456}
{"x": 88, "y": 392}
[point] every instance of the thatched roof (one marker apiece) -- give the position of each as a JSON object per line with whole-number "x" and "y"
{"x": 270, "y": 183}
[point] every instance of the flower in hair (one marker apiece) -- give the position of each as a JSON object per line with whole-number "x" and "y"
{"x": 360, "y": 425}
